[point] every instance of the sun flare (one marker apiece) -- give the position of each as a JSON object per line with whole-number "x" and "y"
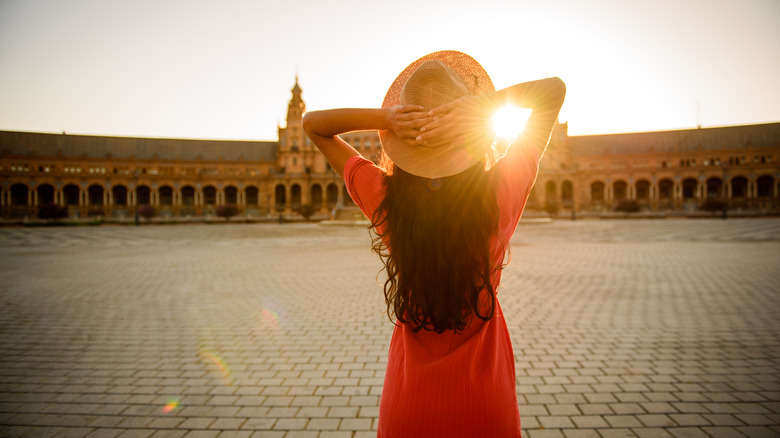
{"x": 509, "y": 120}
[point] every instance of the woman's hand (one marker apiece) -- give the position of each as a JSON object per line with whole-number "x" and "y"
{"x": 454, "y": 121}
{"x": 406, "y": 120}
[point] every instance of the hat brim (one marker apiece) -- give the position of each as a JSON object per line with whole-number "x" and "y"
{"x": 440, "y": 161}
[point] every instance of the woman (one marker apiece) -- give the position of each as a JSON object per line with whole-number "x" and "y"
{"x": 443, "y": 211}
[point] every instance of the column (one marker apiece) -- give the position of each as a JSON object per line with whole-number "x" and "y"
{"x": 32, "y": 198}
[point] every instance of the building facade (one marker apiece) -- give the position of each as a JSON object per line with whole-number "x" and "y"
{"x": 92, "y": 176}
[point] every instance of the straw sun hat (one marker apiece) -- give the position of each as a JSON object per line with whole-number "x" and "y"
{"x": 433, "y": 80}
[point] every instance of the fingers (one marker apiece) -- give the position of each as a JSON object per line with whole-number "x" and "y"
{"x": 442, "y": 109}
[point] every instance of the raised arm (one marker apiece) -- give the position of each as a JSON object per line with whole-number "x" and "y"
{"x": 460, "y": 116}
{"x": 324, "y": 127}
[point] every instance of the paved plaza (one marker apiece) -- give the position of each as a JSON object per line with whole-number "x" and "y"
{"x": 633, "y": 328}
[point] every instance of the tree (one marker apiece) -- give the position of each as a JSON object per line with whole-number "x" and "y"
{"x": 227, "y": 211}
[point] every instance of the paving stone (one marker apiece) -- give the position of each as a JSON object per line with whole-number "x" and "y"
{"x": 648, "y": 328}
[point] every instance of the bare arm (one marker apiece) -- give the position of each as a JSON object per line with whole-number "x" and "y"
{"x": 324, "y": 127}
{"x": 454, "y": 119}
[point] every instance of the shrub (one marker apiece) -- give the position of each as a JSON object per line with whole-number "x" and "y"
{"x": 146, "y": 211}
{"x": 628, "y": 206}
{"x": 226, "y": 211}
{"x": 52, "y": 211}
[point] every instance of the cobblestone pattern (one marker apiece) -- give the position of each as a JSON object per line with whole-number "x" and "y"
{"x": 663, "y": 328}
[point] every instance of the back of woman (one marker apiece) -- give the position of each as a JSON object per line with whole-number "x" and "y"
{"x": 442, "y": 215}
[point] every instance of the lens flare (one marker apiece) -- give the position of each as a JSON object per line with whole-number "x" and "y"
{"x": 270, "y": 318}
{"x": 509, "y": 120}
{"x": 220, "y": 363}
{"x": 172, "y": 405}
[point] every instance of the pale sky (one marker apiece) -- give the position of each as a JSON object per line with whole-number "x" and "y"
{"x": 224, "y": 69}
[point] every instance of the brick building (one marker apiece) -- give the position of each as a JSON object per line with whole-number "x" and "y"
{"x": 669, "y": 172}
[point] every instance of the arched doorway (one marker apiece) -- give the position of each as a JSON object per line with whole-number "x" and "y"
{"x": 71, "y": 194}
{"x": 231, "y": 195}
{"x": 665, "y": 189}
{"x": 316, "y": 195}
{"x": 643, "y": 190}
{"x": 550, "y": 195}
{"x": 764, "y": 186}
{"x": 120, "y": 195}
{"x": 209, "y": 195}
{"x": 295, "y": 196}
{"x": 332, "y": 194}
{"x": 144, "y": 195}
{"x": 45, "y": 194}
{"x": 567, "y": 193}
{"x": 251, "y": 196}
{"x": 714, "y": 188}
{"x": 619, "y": 190}
{"x": 166, "y": 195}
{"x": 689, "y": 188}
{"x": 188, "y": 196}
{"x": 597, "y": 191}
{"x": 20, "y": 194}
{"x": 739, "y": 187}
{"x": 95, "y": 195}
{"x": 280, "y": 195}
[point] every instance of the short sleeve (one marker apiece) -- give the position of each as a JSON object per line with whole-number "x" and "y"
{"x": 365, "y": 184}
{"x": 517, "y": 172}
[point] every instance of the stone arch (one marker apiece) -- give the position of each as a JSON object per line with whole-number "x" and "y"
{"x": 665, "y": 189}
{"x": 597, "y": 191}
{"x": 764, "y": 186}
{"x": 143, "y": 195}
{"x": 567, "y": 191}
{"x": 95, "y": 195}
{"x": 70, "y": 194}
{"x": 689, "y": 188}
{"x": 642, "y": 190}
{"x": 739, "y": 187}
{"x": 714, "y": 187}
{"x": 251, "y": 195}
{"x": 20, "y": 194}
{"x": 209, "y": 195}
{"x": 45, "y": 194}
{"x": 188, "y": 195}
{"x": 166, "y": 195}
{"x": 231, "y": 195}
{"x": 550, "y": 192}
{"x": 280, "y": 195}
{"x": 119, "y": 192}
{"x": 332, "y": 194}
{"x": 295, "y": 196}
{"x": 316, "y": 195}
{"x": 619, "y": 190}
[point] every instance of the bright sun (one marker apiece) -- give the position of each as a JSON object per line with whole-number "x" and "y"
{"x": 509, "y": 120}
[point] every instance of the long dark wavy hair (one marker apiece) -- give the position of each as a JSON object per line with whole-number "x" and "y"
{"x": 435, "y": 246}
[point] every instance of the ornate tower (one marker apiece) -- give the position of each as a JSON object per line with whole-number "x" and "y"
{"x": 295, "y": 151}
